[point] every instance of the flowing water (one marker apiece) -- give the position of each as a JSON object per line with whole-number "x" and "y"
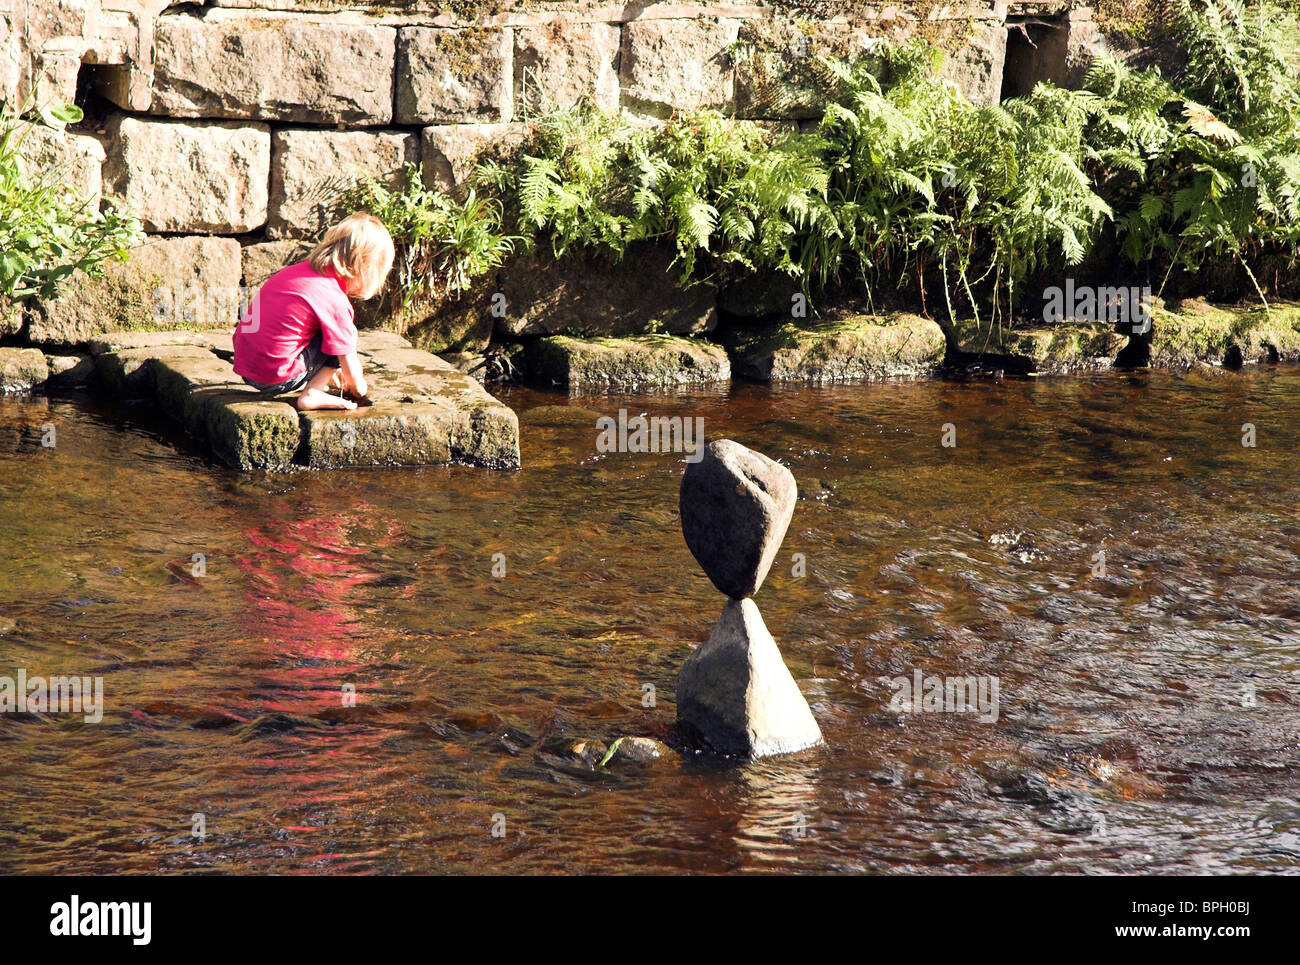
{"x": 1147, "y": 718}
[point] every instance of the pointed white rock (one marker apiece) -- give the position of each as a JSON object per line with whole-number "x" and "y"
{"x": 735, "y": 694}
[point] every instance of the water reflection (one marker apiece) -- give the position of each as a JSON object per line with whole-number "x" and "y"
{"x": 1123, "y": 743}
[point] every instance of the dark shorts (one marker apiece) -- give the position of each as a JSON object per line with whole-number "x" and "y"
{"x": 313, "y": 360}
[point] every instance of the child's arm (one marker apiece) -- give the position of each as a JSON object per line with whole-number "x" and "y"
{"x": 353, "y": 380}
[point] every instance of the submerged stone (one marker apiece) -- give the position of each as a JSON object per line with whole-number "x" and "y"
{"x": 859, "y": 348}
{"x": 630, "y": 363}
{"x": 735, "y": 506}
{"x": 735, "y": 694}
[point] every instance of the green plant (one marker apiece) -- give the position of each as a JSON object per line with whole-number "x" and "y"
{"x": 47, "y": 231}
{"x": 1206, "y": 167}
{"x": 441, "y": 244}
{"x": 716, "y": 189}
{"x": 922, "y": 178}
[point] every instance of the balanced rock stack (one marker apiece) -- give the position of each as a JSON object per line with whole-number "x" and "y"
{"x": 735, "y": 694}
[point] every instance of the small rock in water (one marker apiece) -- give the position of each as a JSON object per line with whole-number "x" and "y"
{"x": 735, "y": 694}
{"x": 637, "y": 750}
{"x": 735, "y": 507}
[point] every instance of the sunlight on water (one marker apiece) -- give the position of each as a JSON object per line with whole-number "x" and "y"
{"x": 1147, "y": 722}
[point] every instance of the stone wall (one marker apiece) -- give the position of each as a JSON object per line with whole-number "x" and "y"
{"x": 242, "y": 119}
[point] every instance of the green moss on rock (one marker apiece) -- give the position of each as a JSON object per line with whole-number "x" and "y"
{"x": 637, "y": 361}
{"x": 1062, "y": 348}
{"x": 22, "y": 369}
{"x": 858, "y": 348}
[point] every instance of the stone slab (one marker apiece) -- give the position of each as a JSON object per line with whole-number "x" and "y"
{"x": 208, "y": 178}
{"x": 855, "y": 349}
{"x": 454, "y": 76}
{"x": 626, "y": 364}
{"x": 311, "y": 169}
{"x": 297, "y": 70}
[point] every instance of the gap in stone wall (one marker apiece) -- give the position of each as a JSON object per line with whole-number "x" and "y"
{"x": 1036, "y": 51}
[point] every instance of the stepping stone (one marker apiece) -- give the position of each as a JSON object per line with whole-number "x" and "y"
{"x": 1193, "y": 331}
{"x": 67, "y": 371}
{"x": 424, "y": 413}
{"x": 1069, "y": 347}
{"x": 129, "y": 372}
{"x": 242, "y": 427}
{"x": 122, "y": 341}
{"x": 627, "y": 364}
{"x": 22, "y": 369}
{"x": 860, "y": 348}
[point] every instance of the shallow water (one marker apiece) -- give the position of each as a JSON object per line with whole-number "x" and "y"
{"x": 1148, "y": 719}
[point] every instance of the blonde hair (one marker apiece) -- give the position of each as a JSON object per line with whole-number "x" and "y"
{"x": 360, "y": 248}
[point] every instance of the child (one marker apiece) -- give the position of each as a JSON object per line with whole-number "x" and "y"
{"x": 299, "y": 333}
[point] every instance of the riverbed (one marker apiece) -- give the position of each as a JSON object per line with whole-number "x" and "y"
{"x": 370, "y": 671}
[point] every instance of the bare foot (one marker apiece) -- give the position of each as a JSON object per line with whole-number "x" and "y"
{"x": 316, "y": 399}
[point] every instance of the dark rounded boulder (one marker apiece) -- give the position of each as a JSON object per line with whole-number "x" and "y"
{"x": 736, "y": 505}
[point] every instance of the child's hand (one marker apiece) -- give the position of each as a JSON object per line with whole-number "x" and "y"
{"x": 353, "y": 380}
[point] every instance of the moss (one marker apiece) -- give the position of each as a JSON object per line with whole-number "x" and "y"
{"x": 1061, "y": 348}
{"x": 252, "y": 434}
{"x": 627, "y": 363}
{"x": 852, "y": 349}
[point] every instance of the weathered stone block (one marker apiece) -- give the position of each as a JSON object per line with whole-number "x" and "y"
{"x": 310, "y": 169}
{"x": 243, "y": 428}
{"x": 285, "y": 69}
{"x": 128, "y": 340}
{"x": 463, "y": 75}
{"x": 1193, "y": 331}
{"x": 1063, "y": 348}
{"x": 558, "y": 64}
{"x": 635, "y": 296}
{"x": 167, "y": 283}
{"x": 424, "y": 413}
{"x": 129, "y": 372}
{"x": 669, "y": 65}
{"x": 68, "y": 371}
{"x": 855, "y": 349}
{"x": 977, "y": 66}
{"x": 22, "y": 369}
{"x": 262, "y": 260}
{"x": 626, "y": 364}
{"x": 190, "y": 178}
{"x": 779, "y": 72}
{"x": 73, "y": 160}
{"x": 247, "y": 432}
{"x": 450, "y": 151}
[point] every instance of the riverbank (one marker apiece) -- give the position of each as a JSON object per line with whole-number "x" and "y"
{"x": 430, "y": 410}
